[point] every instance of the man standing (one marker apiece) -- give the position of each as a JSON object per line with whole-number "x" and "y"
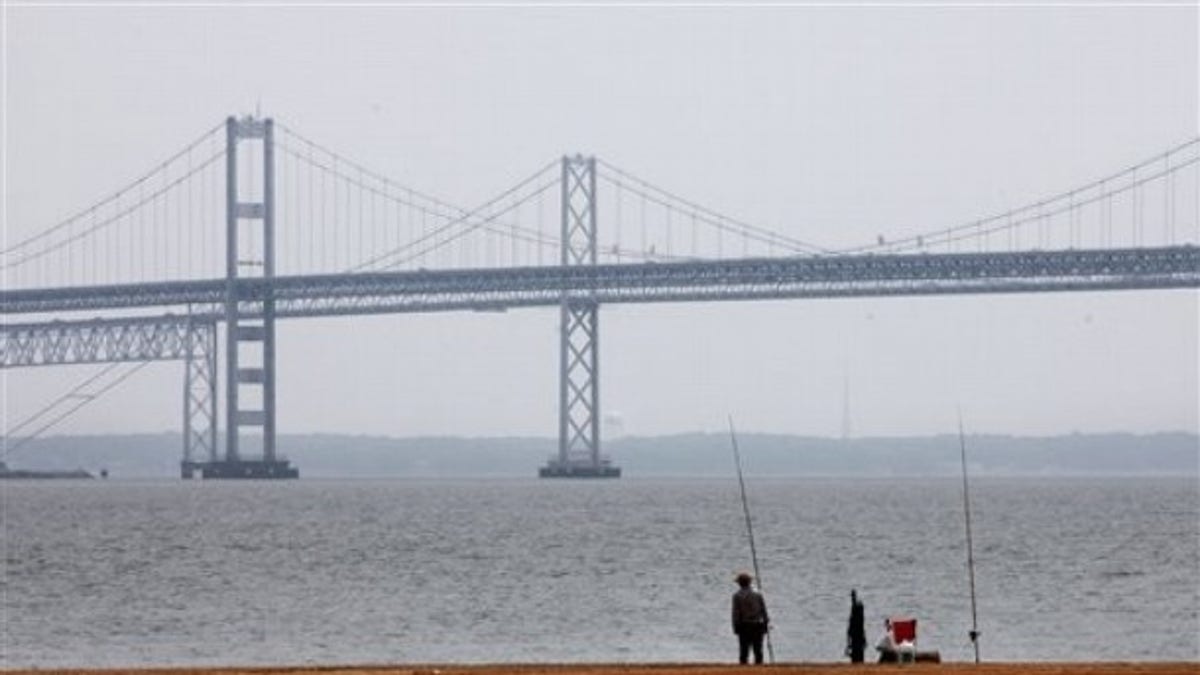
{"x": 856, "y": 632}
{"x": 750, "y": 621}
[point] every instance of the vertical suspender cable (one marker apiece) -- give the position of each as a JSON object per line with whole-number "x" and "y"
{"x": 362, "y": 223}
{"x": 541, "y": 225}
{"x": 158, "y": 239}
{"x": 1072, "y": 220}
{"x": 69, "y": 251}
{"x": 1108, "y": 216}
{"x": 378, "y": 222}
{"x": 94, "y": 278}
{"x": 317, "y": 223}
{"x": 1136, "y": 230}
{"x": 114, "y": 243}
{"x": 183, "y": 203}
{"x": 643, "y": 224}
{"x": 667, "y": 212}
{"x": 617, "y": 199}
{"x": 695, "y": 233}
{"x": 139, "y": 242}
{"x": 348, "y": 203}
{"x": 1168, "y": 201}
{"x": 514, "y": 217}
{"x": 186, "y": 245}
{"x": 333, "y": 223}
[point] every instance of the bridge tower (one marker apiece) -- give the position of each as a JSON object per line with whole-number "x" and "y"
{"x": 249, "y": 308}
{"x": 579, "y": 365}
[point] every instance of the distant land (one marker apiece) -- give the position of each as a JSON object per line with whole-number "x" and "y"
{"x": 682, "y": 455}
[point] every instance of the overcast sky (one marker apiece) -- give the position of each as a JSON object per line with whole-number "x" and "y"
{"x": 830, "y": 124}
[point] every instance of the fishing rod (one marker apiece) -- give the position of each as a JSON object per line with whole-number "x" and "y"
{"x": 737, "y": 460}
{"x": 974, "y": 633}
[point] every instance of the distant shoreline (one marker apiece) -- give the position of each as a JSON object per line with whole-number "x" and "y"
{"x": 1065, "y": 668}
{"x": 687, "y": 455}
{"x": 20, "y": 474}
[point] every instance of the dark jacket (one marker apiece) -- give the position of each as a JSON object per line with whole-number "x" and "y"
{"x": 749, "y": 610}
{"x": 856, "y": 632}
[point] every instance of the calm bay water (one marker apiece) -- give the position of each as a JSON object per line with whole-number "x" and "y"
{"x": 111, "y": 573}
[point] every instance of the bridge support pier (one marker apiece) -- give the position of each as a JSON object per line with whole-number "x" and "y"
{"x": 579, "y": 363}
{"x": 199, "y": 398}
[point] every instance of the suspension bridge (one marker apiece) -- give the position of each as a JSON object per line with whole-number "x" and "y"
{"x": 253, "y": 222}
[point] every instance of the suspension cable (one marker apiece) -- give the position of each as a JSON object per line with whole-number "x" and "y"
{"x": 464, "y": 215}
{"x": 951, "y": 235}
{"x": 465, "y": 218}
{"x": 142, "y": 200}
{"x": 713, "y": 217}
{"x": 959, "y": 232}
{"x": 461, "y": 233}
{"x": 83, "y": 399}
{"x": 116, "y": 195}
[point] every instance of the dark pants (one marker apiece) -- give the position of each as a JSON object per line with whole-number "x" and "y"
{"x": 856, "y": 653}
{"x": 750, "y": 636}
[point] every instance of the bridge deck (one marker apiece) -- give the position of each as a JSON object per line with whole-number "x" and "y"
{"x": 743, "y": 279}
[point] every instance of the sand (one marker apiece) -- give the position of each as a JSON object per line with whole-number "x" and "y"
{"x": 1189, "y": 668}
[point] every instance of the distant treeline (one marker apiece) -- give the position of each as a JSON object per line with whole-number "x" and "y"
{"x": 695, "y": 454}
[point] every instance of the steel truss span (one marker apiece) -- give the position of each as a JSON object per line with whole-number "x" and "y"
{"x": 767, "y": 278}
{"x": 133, "y": 339}
{"x": 192, "y": 340}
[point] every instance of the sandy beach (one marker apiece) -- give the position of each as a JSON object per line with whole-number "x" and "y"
{"x": 1139, "y": 668}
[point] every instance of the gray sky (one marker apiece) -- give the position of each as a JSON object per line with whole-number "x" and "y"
{"x": 829, "y": 124}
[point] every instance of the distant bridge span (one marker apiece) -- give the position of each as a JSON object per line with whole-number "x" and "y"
{"x": 693, "y": 281}
{"x": 353, "y": 226}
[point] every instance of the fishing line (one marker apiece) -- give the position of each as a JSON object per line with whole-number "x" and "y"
{"x": 737, "y": 460}
{"x": 974, "y": 632}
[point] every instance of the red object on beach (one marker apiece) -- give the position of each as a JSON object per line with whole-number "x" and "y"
{"x": 904, "y": 629}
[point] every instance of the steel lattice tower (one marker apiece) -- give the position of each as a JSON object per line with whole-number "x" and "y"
{"x": 579, "y": 349}
{"x": 199, "y": 395}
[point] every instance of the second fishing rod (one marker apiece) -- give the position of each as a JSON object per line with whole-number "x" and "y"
{"x": 737, "y": 460}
